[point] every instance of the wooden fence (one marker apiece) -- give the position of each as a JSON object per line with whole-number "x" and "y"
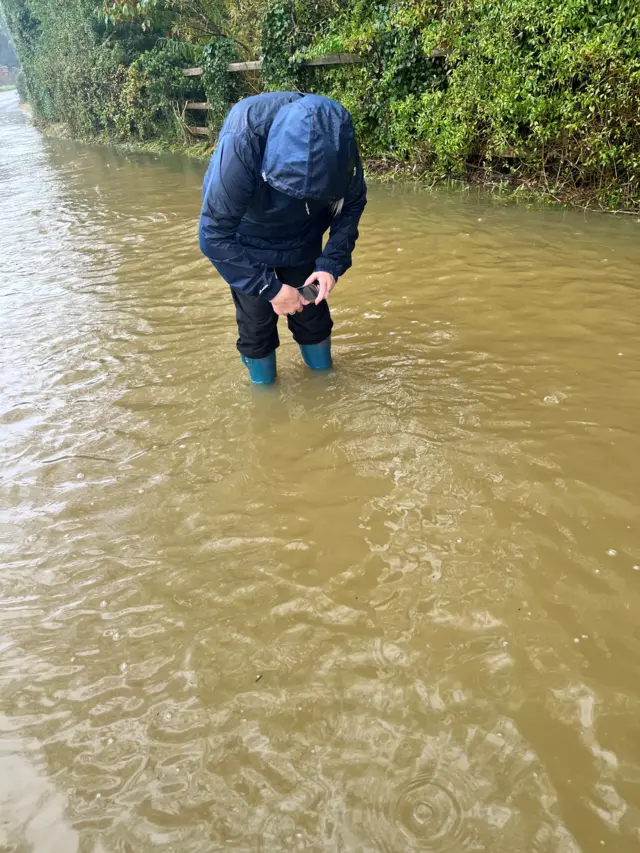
{"x": 256, "y": 65}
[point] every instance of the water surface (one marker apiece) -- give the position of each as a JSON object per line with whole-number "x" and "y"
{"x": 388, "y": 610}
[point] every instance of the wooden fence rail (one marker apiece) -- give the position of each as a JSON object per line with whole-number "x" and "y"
{"x": 256, "y": 65}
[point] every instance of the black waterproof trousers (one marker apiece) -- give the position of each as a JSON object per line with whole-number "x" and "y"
{"x": 258, "y": 322}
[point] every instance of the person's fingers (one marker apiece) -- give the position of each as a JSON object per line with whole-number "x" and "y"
{"x": 322, "y": 291}
{"x": 312, "y": 278}
{"x": 290, "y": 308}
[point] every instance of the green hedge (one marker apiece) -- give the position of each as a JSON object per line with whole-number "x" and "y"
{"x": 544, "y": 93}
{"x": 547, "y": 91}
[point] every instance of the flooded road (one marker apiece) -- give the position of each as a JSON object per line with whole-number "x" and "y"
{"x": 388, "y": 610}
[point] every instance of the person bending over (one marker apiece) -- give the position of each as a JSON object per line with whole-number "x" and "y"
{"x": 286, "y": 169}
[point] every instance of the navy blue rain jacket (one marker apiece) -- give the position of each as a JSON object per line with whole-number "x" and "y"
{"x": 285, "y": 170}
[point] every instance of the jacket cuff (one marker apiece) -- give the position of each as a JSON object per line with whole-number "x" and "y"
{"x": 326, "y": 266}
{"x": 272, "y": 289}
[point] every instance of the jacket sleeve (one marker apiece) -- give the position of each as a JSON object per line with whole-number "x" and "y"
{"x": 228, "y": 188}
{"x": 336, "y": 257}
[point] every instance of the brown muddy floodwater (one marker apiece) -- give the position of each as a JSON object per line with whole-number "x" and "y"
{"x": 391, "y": 610}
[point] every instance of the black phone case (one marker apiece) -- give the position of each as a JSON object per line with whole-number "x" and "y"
{"x": 309, "y": 292}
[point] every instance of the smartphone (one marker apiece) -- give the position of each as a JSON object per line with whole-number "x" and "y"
{"x": 309, "y": 292}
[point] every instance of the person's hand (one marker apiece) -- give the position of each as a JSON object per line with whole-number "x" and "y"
{"x": 288, "y": 301}
{"x": 325, "y": 281}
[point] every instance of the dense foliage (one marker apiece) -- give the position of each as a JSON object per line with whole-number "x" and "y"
{"x": 538, "y": 92}
{"x": 221, "y": 87}
{"x": 546, "y": 88}
{"x": 7, "y": 53}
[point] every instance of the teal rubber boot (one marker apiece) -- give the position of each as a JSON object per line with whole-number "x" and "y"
{"x": 317, "y": 356}
{"x": 262, "y": 371}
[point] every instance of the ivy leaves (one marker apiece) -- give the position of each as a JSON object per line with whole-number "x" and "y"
{"x": 278, "y": 45}
{"x": 219, "y": 83}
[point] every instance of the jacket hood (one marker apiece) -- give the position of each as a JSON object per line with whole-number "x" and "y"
{"x": 311, "y": 150}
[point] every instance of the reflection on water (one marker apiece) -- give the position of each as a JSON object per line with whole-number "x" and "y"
{"x": 32, "y": 811}
{"x": 391, "y": 609}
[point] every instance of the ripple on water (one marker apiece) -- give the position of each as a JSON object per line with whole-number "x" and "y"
{"x": 429, "y": 815}
{"x": 427, "y": 811}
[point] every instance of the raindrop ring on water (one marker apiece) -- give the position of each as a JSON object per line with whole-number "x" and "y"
{"x": 426, "y": 811}
{"x": 417, "y": 815}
